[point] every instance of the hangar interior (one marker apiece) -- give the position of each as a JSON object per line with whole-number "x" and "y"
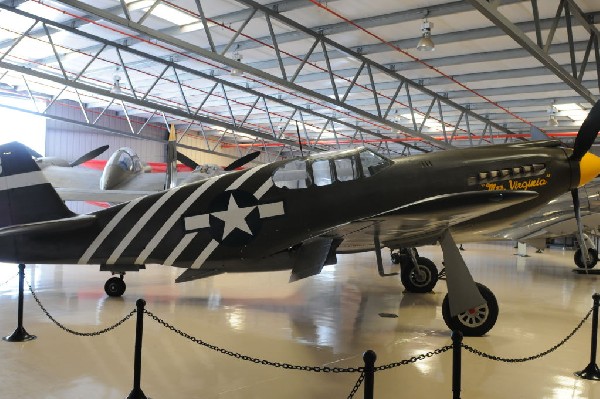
{"x": 291, "y": 78}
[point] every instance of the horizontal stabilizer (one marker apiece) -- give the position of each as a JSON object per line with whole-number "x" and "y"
{"x": 50, "y": 226}
{"x": 195, "y": 274}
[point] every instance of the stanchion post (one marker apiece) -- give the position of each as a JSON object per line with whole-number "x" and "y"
{"x": 369, "y": 357}
{"x": 137, "y": 393}
{"x": 457, "y": 338}
{"x": 20, "y": 335}
{"x": 591, "y": 372}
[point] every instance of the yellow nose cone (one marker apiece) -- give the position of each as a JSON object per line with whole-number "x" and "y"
{"x": 589, "y": 168}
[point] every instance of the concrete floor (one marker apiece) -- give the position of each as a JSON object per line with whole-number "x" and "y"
{"x": 330, "y": 319}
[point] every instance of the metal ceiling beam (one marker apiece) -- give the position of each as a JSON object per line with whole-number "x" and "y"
{"x": 289, "y": 87}
{"x": 168, "y": 64}
{"x": 293, "y": 109}
{"x": 540, "y": 50}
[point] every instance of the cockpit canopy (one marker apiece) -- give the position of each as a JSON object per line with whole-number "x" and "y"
{"x": 329, "y": 168}
{"x": 121, "y": 166}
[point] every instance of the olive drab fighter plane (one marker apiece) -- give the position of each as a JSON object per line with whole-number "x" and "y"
{"x": 298, "y": 214}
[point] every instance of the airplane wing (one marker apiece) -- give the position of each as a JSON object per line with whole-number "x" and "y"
{"x": 78, "y": 177}
{"x": 421, "y": 222}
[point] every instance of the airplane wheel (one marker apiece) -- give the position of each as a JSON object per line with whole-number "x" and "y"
{"x": 474, "y": 322}
{"x": 593, "y": 258}
{"x": 395, "y": 258}
{"x": 115, "y": 286}
{"x": 421, "y": 279}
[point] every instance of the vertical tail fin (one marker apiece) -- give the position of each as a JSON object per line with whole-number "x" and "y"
{"x": 25, "y": 194}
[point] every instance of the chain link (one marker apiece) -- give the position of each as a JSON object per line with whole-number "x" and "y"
{"x": 81, "y": 334}
{"x": 414, "y": 359}
{"x": 526, "y": 359}
{"x": 317, "y": 369}
{"x": 9, "y": 280}
{"x": 360, "y": 380}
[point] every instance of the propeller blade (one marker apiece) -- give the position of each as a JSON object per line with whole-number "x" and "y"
{"x": 89, "y": 156}
{"x": 190, "y": 163}
{"x": 242, "y": 161}
{"x": 171, "y": 155}
{"x": 587, "y": 133}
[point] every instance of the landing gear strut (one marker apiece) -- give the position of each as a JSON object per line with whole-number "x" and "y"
{"x": 115, "y": 286}
{"x": 469, "y": 307}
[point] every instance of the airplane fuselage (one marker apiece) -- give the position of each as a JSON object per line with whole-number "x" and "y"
{"x": 250, "y": 215}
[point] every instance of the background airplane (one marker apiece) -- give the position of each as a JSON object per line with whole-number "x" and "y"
{"x": 124, "y": 176}
{"x": 556, "y": 219}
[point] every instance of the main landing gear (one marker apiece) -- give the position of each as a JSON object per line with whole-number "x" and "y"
{"x": 468, "y": 307}
{"x": 115, "y": 286}
{"x": 476, "y": 321}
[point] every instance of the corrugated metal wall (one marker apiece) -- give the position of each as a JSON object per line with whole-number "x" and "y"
{"x": 70, "y": 141}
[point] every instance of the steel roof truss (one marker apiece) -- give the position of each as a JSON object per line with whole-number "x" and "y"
{"x": 292, "y": 88}
{"x": 276, "y": 47}
{"x": 305, "y": 59}
{"x": 566, "y": 9}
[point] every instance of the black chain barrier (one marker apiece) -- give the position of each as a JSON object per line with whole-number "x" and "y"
{"x": 366, "y": 372}
{"x": 533, "y": 357}
{"x": 360, "y": 380}
{"x": 81, "y": 334}
{"x": 317, "y": 369}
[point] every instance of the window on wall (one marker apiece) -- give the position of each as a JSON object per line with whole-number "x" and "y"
{"x": 23, "y": 127}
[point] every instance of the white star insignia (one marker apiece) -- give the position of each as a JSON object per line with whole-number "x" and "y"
{"x": 234, "y": 217}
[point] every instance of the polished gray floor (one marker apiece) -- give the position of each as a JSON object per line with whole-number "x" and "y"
{"x": 326, "y": 320}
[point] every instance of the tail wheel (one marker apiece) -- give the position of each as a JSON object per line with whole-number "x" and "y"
{"x": 419, "y": 279}
{"x": 115, "y": 286}
{"x": 474, "y": 322}
{"x": 593, "y": 258}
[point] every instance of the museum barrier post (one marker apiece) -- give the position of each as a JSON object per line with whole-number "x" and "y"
{"x": 137, "y": 393}
{"x": 20, "y": 335}
{"x": 457, "y": 338}
{"x": 369, "y": 357}
{"x": 591, "y": 372}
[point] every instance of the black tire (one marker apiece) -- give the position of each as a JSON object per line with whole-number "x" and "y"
{"x": 593, "y": 258}
{"x": 422, "y": 280}
{"x": 474, "y": 322}
{"x": 115, "y": 286}
{"x": 396, "y": 258}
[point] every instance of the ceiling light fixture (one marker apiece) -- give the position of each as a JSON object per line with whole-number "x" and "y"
{"x": 552, "y": 121}
{"x": 425, "y": 43}
{"x": 237, "y": 57}
{"x": 116, "y": 88}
